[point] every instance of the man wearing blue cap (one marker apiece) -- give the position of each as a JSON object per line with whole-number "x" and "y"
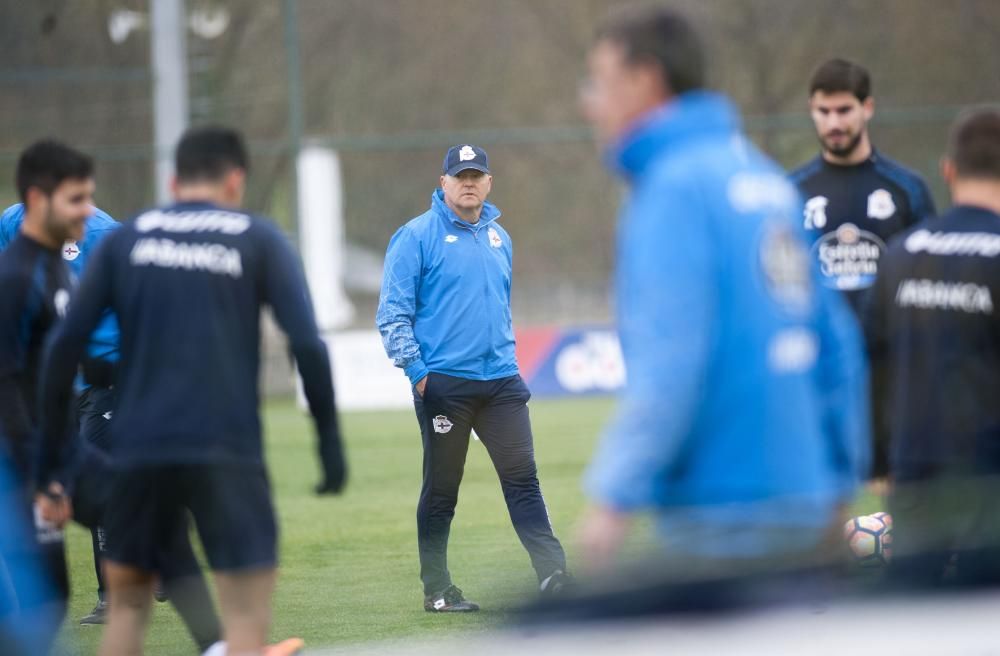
{"x": 444, "y": 315}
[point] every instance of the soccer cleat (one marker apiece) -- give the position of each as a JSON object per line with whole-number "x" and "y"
{"x": 97, "y": 616}
{"x": 558, "y": 584}
{"x": 288, "y": 647}
{"x": 449, "y": 600}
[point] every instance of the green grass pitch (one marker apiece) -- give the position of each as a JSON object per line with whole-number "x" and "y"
{"x": 349, "y": 571}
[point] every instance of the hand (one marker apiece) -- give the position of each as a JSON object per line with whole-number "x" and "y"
{"x": 879, "y": 487}
{"x": 421, "y": 386}
{"x": 54, "y": 505}
{"x": 333, "y": 482}
{"x": 600, "y": 536}
{"x": 334, "y": 468}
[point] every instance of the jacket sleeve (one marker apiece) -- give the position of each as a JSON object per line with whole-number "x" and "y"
{"x": 397, "y": 305}
{"x": 65, "y": 350}
{"x": 15, "y": 418}
{"x": 875, "y": 322}
{"x": 667, "y": 307}
{"x": 286, "y": 291}
{"x": 843, "y": 372}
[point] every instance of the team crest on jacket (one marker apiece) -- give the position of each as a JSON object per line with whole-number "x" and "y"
{"x": 815, "y": 212}
{"x": 450, "y": 239}
{"x": 495, "y": 240}
{"x": 70, "y": 251}
{"x": 442, "y": 424}
{"x": 848, "y": 257}
{"x": 785, "y": 263}
{"x": 880, "y": 205}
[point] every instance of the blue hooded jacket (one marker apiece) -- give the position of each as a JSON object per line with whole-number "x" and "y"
{"x": 745, "y": 408}
{"x": 445, "y": 300}
{"x": 104, "y": 341}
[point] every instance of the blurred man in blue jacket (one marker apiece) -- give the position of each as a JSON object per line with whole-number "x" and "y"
{"x": 444, "y": 315}
{"x": 743, "y": 425}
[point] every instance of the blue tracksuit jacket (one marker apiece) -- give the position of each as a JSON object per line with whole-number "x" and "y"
{"x": 746, "y": 402}
{"x": 445, "y": 301}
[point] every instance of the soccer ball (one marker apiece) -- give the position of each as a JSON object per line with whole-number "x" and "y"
{"x": 869, "y": 539}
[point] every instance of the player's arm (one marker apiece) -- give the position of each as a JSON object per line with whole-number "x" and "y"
{"x": 668, "y": 297}
{"x": 67, "y": 346}
{"x": 286, "y": 291}
{"x": 875, "y": 322}
{"x": 15, "y": 420}
{"x": 397, "y": 304}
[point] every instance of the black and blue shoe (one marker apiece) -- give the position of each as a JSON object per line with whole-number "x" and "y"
{"x": 449, "y": 600}
{"x": 558, "y": 584}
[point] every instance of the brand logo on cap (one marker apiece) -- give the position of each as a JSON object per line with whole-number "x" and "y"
{"x": 466, "y": 153}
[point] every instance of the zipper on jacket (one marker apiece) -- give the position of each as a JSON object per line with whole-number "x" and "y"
{"x": 486, "y": 291}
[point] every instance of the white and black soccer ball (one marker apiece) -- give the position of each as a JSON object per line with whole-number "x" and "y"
{"x": 869, "y": 539}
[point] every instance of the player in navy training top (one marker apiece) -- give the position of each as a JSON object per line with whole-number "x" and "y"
{"x": 187, "y": 283}
{"x": 933, "y": 318}
{"x": 181, "y": 573}
{"x": 856, "y": 199}
{"x": 56, "y": 186}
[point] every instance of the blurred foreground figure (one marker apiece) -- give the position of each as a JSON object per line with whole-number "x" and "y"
{"x": 87, "y": 481}
{"x": 56, "y": 185}
{"x": 96, "y": 400}
{"x": 744, "y": 423}
{"x": 187, "y": 283}
{"x": 933, "y": 320}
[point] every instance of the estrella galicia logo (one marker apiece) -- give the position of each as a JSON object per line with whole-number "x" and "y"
{"x": 848, "y": 257}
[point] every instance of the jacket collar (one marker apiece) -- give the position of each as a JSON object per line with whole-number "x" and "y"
{"x": 689, "y": 115}
{"x": 489, "y": 214}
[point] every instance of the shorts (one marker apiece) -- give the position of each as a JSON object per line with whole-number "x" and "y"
{"x": 230, "y": 504}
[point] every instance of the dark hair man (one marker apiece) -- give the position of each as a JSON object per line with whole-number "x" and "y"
{"x": 187, "y": 283}
{"x": 856, "y": 197}
{"x": 56, "y": 186}
{"x": 933, "y": 320}
{"x": 88, "y": 477}
{"x": 97, "y": 394}
{"x": 444, "y": 315}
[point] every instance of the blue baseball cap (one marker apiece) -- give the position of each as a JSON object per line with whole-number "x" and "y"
{"x": 460, "y": 158}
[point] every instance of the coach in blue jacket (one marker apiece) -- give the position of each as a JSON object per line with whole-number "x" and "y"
{"x": 743, "y": 424}
{"x": 444, "y": 315}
